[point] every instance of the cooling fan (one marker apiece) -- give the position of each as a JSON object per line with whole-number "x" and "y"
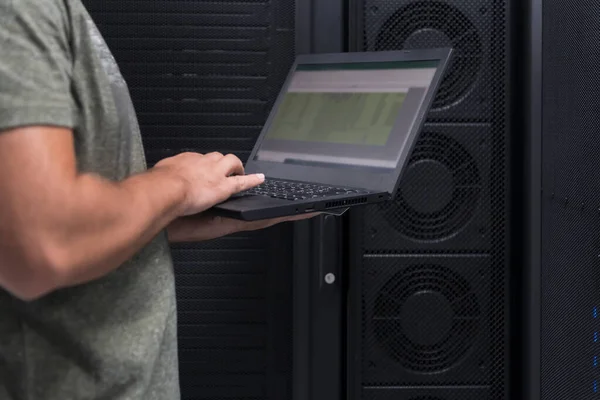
{"x": 426, "y": 24}
{"x": 426, "y": 318}
{"x": 439, "y": 191}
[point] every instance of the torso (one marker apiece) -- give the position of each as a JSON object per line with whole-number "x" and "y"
{"x": 114, "y": 338}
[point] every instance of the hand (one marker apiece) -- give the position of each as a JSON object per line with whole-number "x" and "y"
{"x": 209, "y": 179}
{"x": 203, "y": 227}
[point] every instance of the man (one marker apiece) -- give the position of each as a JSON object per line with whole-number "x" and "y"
{"x": 87, "y": 304}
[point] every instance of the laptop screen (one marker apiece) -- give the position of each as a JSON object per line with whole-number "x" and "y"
{"x": 354, "y": 115}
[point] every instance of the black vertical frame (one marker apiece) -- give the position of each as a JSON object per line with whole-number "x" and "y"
{"x": 353, "y": 367}
{"x": 320, "y": 26}
{"x": 355, "y": 25}
{"x": 279, "y": 303}
{"x": 532, "y": 188}
{"x": 318, "y": 305}
{"x": 318, "y": 276}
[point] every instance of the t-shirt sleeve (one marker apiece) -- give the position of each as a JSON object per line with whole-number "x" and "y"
{"x": 35, "y": 64}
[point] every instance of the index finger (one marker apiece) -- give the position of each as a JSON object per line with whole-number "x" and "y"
{"x": 239, "y": 183}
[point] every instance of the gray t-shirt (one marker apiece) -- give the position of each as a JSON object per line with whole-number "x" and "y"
{"x": 114, "y": 338}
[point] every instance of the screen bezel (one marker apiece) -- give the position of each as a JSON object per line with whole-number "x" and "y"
{"x": 355, "y": 177}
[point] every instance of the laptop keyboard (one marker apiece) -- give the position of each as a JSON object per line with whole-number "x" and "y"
{"x": 294, "y": 191}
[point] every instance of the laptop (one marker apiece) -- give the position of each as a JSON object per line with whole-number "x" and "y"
{"x": 340, "y": 132}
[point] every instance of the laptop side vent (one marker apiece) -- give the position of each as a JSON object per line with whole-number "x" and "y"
{"x": 341, "y": 203}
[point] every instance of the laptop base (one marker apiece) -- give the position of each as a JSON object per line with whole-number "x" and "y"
{"x": 254, "y": 208}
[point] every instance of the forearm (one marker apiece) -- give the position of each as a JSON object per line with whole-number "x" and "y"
{"x": 97, "y": 225}
{"x": 116, "y": 221}
{"x": 61, "y": 228}
{"x": 202, "y": 227}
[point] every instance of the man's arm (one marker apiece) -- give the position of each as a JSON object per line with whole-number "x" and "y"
{"x": 60, "y": 228}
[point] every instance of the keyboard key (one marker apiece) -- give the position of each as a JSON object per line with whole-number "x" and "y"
{"x": 297, "y": 190}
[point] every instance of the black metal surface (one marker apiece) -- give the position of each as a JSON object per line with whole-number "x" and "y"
{"x": 320, "y": 26}
{"x": 425, "y": 321}
{"x": 526, "y": 366}
{"x": 318, "y": 311}
{"x": 202, "y": 77}
{"x": 570, "y": 215}
{"x": 444, "y": 198}
{"x": 319, "y": 339}
{"x": 430, "y": 271}
{"x": 235, "y": 321}
{"x": 468, "y": 26}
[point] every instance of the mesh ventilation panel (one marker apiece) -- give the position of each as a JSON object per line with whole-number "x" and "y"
{"x": 433, "y": 279}
{"x": 430, "y": 289}
{"x": 444, "y": 196}
{"x": 570, "y": 215}
{"x": 425, "y": 320}
{"x": 465, "y": 26}
{"x": 437, "y": 24}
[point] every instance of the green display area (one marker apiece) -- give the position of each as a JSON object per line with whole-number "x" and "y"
{"x": 350, "y": 118}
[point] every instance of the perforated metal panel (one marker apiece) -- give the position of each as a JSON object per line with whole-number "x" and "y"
{"x": 425, "y": 321}
{"x": 427, "y": 394}
{"x": 203, "y": 75}
{"x": 570, "y": 281}
{"x": 433, "y": 273}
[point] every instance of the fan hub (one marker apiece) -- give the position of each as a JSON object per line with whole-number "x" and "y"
{"x": 427, "y": 318}
{"x": 439, "y": 191}
{"x": 428, "y": 186}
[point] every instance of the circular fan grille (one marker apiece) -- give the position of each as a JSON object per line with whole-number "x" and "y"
{"x": 426, "y": 318}
{"x": 425, "y": 24}
{"x": 439, "y": 191}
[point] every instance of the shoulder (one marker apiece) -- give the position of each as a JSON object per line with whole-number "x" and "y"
{"x": 43, "y": 14}
{"x": 35, "y": 25}
{"x": 35, "y": 62}
{"x": 42, "y": 8}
